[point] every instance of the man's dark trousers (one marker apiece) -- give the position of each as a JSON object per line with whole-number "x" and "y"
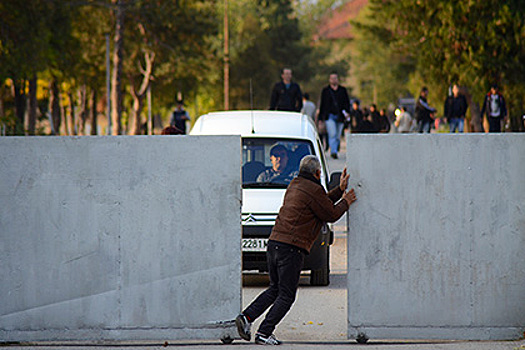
{"x": 494, "y": 124}
{"x": 284, "y": 264}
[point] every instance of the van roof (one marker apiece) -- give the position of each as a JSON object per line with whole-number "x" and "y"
{"x": 265, "y": 123}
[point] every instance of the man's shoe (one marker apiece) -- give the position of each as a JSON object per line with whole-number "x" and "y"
{"x": 334, "y": 155}
{"x": 243, "y": 327}
{"x": 262, "y": 339}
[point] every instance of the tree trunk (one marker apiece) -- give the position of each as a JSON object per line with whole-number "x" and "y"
{"x": 138, "y": 95}
{"x": 71, "y": 116}
{"x": 138, "y": 106}
{"x": 116, "y": 83}
{"x": 83, "y": 110}
{"x": 64, "y": 129}
{"x": 54, "y": 108}
{"x": 93, "y": 104}
{"x": 30, "y": 116}
{"x": 20, "y": 105}
{"x": 3, "y": 130}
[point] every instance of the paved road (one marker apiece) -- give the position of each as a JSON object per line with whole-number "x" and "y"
{"x": 319, "y": 313}
{"x": 199, "y": 345}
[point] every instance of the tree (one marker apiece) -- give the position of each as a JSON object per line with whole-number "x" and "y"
{"x": 171, "y": 49}
{"x": 116, "y": 78}
{"x": 266, "y": 36}
{"x": 470, "y": 42}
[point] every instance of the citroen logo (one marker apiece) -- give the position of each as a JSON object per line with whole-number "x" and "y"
{"x": 250, "y": 218}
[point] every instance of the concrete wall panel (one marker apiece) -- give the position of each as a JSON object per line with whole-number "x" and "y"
{"x": 437, "y": 236}
{"x": 119, "y": 237}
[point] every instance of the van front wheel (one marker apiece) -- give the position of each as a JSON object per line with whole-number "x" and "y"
{"x": 321, "y": 277}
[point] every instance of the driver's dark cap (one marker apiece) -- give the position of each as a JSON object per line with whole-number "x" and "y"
{"x": 278, "y": 151}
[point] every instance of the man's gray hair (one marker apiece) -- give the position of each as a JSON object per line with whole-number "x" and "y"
{"x": 310, "y": 164}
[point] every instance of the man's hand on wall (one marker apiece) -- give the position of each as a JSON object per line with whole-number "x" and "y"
{"x": 350, "y": 196}
{"x": 343, "y": 182}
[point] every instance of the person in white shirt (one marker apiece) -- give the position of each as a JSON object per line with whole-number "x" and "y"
{"x": 308, "y": 107}
{"x": 404, "y": 121}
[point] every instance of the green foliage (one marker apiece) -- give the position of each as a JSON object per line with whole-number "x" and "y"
{"x": 66, "y": 41}
{"x": 35, "y": 36}
{"x": 382, "y": 72}
{"x": 474, "y": 43}
{"x": 181, "y": 34}
{"x": 265, "y": 37}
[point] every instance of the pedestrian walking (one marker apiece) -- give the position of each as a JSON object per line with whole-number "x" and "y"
{"x": 384, "y": 122}
{"x": 286, "y": 94}
{"x": 455, "y": 110}
{"x": 321, "y": 129}
{"x": 306, "y": 207}
{"x": 355, "y": 118}
{"x": 424, "y": 113}
{"x": 179, "y": 117}
{"x": 334, "y": 108}
{"x": 495, "y": 108}
{"x": 308, "y": 107}
{"x": 404, "y": 121}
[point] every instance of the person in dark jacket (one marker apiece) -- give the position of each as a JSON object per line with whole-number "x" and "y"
{"x": 379, "y": 120}
{"x": 455, "y": 110}
{"x": 367, "y": 126}
{"x": 334, "y": 108}
{"x": 496, "y": 109}
{"x": 286, "y": 95}
{"x": 306, "y": 207}
{"x": 424, "y": 113}
{"x": 179, "y": 117}
{"x": 384, "y": 122}
{"x": 355, "y": 118}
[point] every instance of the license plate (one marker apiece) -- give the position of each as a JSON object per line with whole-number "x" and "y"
{"x": 254, "y": 244}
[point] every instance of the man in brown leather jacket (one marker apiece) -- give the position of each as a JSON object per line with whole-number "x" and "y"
{"x": 306, "y": 207}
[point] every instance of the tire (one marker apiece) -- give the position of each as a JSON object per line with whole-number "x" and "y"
{"x": 321, "y": 277}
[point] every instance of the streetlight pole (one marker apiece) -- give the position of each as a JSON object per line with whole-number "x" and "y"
{"x": 226, "y": 59}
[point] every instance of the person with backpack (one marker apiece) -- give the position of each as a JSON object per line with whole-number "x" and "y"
{"x": 496, "y": 109}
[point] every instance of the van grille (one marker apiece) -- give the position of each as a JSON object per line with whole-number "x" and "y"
{"x": 256, "y": 231}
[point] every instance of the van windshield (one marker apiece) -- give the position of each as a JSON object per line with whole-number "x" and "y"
{"x": 271, "y": 162}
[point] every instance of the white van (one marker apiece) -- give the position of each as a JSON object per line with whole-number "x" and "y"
{"x": 262, "y": 133}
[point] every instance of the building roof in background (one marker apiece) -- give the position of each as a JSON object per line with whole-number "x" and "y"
{"x": 336, "y": 23}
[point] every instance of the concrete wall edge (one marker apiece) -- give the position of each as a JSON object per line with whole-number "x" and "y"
{"x": 166, "y": 334}
{"x": 438, "y": 333}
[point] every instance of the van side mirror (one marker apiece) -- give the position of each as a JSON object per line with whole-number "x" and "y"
{"x": 335, "y": 178}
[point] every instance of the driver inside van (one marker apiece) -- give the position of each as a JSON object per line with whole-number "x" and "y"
{"x": 281, "y": 170}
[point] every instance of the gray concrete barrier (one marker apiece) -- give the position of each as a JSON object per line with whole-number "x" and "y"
{"x": 436, "y": 247}
{"x": 119, "y": 237}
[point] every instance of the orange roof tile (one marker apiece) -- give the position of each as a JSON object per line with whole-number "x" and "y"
{"x": 336, "y": 23}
